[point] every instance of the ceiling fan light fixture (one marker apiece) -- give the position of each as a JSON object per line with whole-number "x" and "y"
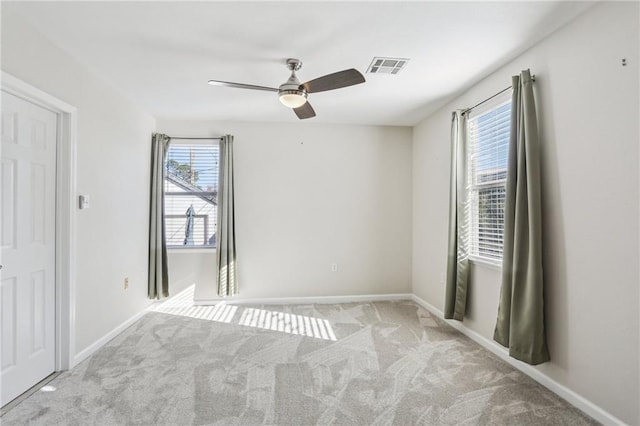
{"x": 293, "y": 98}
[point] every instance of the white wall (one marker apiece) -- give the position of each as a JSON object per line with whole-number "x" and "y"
{"x": 113, "y": 152}
{"x": 588, "y": 112}
{"x": 308, "y": 195}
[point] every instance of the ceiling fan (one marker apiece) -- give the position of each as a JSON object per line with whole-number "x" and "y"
{"x": 294, "y": 95}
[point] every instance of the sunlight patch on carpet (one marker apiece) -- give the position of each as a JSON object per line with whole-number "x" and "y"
{"x": 288, "y": 323}
{"x": 182, "y": 305}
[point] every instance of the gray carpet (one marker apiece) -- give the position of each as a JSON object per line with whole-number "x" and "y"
{"x": 347, "y": 364}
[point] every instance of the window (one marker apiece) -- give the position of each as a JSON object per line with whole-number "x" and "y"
{"x": 488, "y": 150}
{"x": 190, "y": 195}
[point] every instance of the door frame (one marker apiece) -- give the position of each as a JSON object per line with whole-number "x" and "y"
{"x": 65, "y": 245}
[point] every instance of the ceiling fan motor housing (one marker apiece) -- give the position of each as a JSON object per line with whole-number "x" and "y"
{"x": 291, "y": 93}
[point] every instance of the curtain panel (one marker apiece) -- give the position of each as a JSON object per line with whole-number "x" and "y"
{"x": 226, "y": 277}
{"x": 457, "y": 254}
{"x": 158, "y": 286}
{"x": 520, "y": 323}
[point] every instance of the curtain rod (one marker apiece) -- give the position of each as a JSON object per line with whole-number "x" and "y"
{"x": 202, "y": 139}
{"x": 533, "y": 78}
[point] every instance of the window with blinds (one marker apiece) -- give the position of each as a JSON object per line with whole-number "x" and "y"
{"x": 488, "y": 149}
{"x": 191, "y": 195}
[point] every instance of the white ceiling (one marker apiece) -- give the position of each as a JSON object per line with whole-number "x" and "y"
{"x": 161, "y": 54}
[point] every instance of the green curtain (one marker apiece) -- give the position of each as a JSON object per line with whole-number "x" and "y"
{"x": 226, "y": 277}
{"x": 158, "y": 272}
{"x": 520, "y": 324}
{"x": 457, "y": 255}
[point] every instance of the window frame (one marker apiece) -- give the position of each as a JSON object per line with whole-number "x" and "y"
{"x": 474, "y": 188}
{"x": 189, "y": 248}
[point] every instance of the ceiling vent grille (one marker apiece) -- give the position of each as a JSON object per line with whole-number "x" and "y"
{"x": 386, "y": 65}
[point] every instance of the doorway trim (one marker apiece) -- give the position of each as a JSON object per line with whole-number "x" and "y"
{"x": 65, "y": 282}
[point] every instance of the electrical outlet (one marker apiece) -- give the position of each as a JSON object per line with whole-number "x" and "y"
{"x": 126, "y": 283}
{"x": 334, "y": 267}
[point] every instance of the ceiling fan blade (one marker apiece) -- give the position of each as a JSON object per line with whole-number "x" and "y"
{"x": 336, "y": 80}
{"x": 241, "y": 85}
{"x": 305, "y": 111}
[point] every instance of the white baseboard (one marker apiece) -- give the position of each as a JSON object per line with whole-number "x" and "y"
{"x": 307, "y": 299}
{"x": 92, "y": 348}
{"x": 570, "y": 396}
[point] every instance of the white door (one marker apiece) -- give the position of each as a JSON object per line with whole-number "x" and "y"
{"x": 27, "y": 238}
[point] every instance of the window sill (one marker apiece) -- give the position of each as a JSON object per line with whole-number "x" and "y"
{"x": 191, "y": 250}
{"x": 485, "y": 263}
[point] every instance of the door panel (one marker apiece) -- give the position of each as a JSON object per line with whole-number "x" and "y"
{"x": 27, "y": 277}
{"x": 38, "y": 308}
{"x": 9, "y": 332}
{"x": 8, "y": 199}
{"x": 38, "y": 203}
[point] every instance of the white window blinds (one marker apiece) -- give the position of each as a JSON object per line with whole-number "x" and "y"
{"x": 488, "y": 145}
{"x": 190, "y": 194}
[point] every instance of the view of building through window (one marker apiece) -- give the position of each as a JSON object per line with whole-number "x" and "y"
{"x": 191, "y": 191}
{"x": 488, "y": 151}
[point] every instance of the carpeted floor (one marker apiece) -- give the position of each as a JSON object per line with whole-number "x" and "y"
{"x": 349, "y": 364}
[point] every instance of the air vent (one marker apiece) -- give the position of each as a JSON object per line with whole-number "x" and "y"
{"x": 387, "y": 65}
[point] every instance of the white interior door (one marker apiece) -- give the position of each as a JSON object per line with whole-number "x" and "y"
{"x": 27, "y": 238}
